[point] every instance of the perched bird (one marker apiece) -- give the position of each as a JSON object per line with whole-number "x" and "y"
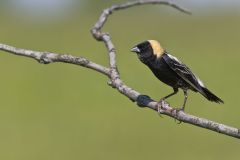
{"x": 171, "y": 71}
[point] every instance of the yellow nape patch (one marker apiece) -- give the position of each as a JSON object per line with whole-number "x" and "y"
{"x": 157, "y": 49}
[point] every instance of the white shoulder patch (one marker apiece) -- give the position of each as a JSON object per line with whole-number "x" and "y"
{"x": 174, "y": 58}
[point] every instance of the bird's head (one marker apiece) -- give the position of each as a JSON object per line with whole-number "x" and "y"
{"x": 148, "y": 48}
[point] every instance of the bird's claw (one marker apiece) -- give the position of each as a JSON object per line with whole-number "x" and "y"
{"x": 159, "y": 107}
{"x": 177, "y": 110}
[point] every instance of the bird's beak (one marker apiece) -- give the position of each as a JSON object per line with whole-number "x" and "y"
{"x": 135, "y": 49}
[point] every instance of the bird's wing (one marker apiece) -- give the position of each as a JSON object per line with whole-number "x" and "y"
{"x": 183, "y": 71}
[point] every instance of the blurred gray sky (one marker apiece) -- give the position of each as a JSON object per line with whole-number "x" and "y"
{"x": 43, "y": 8}
{"x": 58, "y": 8}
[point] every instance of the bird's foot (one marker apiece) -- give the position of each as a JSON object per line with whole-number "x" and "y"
{"x": 160, "y": 103}
{"x": 177, "y": 110}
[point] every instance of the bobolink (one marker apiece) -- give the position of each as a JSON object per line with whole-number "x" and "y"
{"x": 171, "y": 71}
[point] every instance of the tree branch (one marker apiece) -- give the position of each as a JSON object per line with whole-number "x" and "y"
{"x": 113, "y": 74}
{"x": 49, "y": 57}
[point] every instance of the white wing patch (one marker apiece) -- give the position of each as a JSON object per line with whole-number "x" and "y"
{"x": 200, "y": 82}
{"x": 174, "y": 58}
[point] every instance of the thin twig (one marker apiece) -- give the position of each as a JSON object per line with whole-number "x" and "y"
{"x": 113, "y": 74}
{"x": 106, "y": 12}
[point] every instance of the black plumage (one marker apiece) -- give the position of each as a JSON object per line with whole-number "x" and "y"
{"x": 171, "y": 71}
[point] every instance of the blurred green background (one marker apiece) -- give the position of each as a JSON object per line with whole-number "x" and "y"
{"x": 62, "y": 111}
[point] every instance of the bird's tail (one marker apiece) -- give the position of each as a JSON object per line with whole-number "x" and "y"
{"x": 210, "y": 96}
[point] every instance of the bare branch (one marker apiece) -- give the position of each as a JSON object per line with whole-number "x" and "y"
{"x": 106, "y": 12}
{"x": 113, "y": 74}
{"x": 48, "y": 57}
{"x": 143, "y": 100}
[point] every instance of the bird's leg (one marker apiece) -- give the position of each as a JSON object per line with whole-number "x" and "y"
{"x": 185, "y": 99}
{"x": 183, "y": 107}
{"x": 159, "y": 104}
{"x": 175, "y": 90}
